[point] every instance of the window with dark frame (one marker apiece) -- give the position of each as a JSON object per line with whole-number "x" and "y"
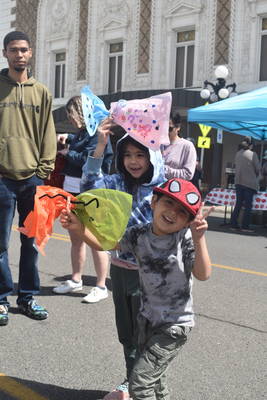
{"x": 185, "y": 48}
{"x": 60, "y": 72}
{"x": 115, "y": 67}
{"x": 263, "y": 56}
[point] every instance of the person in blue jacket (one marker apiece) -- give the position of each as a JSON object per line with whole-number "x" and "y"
{"x": 77, "y": 147}
{"x": 138, "y": 171}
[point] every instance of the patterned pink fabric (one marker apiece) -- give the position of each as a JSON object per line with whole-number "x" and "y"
{"x": 146, "y": 120}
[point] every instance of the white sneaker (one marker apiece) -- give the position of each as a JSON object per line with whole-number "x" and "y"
{"x": 68, "y": 287}
{"x": 96, "y": 294}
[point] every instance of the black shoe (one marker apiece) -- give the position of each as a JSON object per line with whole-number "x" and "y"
{"x": 234, "y": 228}
{"x": 33, "y": 310}
{"x": 247, "y": 230}
{"x": 3, "y": 315}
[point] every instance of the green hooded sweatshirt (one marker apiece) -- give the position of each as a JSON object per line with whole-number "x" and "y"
{"x": 27, "y": 131}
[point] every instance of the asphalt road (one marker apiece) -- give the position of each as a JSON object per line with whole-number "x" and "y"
{"x": 74, "y": 354}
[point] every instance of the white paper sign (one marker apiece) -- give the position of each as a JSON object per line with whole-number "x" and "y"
{"x": 219, "y": 136}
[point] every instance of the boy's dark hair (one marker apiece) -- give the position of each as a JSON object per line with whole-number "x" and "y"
{"x": 246, "y": 143}
{"x": 175, "y": 117}
{"x": 129, "y": 180}
{"x": 15, "y": 35}
{"x": 159, "y": 195}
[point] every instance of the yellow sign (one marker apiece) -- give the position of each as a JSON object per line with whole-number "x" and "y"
{"x": 203, "y": 142}
{"x": 204, "y": 129}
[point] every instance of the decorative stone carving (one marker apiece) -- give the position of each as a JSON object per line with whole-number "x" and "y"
{"x": 26, "y": 21}
{"x": 144, "y": 36}
{"x": 59, "y": 9}
{"x": 183, "y": 8}
{"x": 223, "y": 19}
{"x": 59, "y": 23}
{"x": 252, "y": 8}
{"x": 115, "y": 14}
{"x": 82, "y": 45}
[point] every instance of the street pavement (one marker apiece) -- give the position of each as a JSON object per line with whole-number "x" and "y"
{"x": 74, "y": 354}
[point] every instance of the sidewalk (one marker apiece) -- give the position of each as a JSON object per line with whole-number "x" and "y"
{"x": 258, "y": 217}
{"x": 220, "y": 221}
{"x": 220, "y": 211}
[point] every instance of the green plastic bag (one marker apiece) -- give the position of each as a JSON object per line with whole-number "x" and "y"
{"x": 105, "y": 212}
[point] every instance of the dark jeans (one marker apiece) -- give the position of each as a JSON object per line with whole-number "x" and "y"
{"x": 244, "y": 196}
{"x": 126, "y": 298}
{"x": 20, "y": 193}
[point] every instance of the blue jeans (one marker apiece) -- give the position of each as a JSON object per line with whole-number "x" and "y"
{"x": 244, "y": 196}
{"x": 20, "y": 193}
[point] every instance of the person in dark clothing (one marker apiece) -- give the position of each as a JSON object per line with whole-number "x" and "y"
{"x": 247, "y": 168}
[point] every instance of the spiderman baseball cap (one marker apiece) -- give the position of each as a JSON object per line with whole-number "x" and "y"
{"x": 182, "y": 191}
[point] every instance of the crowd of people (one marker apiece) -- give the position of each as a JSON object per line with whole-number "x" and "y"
{"x": 164, "y": 245}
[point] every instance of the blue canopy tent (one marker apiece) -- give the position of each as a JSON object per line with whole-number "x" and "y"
{"x": 245, "y": 114}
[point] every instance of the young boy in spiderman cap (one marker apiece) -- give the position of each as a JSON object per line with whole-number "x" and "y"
{"x": 169, "y": 251}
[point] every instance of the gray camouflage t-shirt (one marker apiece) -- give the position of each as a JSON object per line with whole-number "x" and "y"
{"x": 165, "y": 269}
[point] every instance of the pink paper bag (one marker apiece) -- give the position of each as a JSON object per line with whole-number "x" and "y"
{"x": 146, "y": 120}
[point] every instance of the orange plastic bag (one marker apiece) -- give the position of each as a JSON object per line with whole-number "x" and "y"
{"x": 48, "y": 203}
{"x": 105, "y": 212}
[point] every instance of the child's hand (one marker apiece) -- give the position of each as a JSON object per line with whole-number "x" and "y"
{"x": 104, "y": 130}
{"x": 62, "y": 137}
{"x": 199, "y": 225}
{"x": 70, "y": 221}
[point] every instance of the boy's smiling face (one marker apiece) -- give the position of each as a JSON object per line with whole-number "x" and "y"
{"x": 168, "y": 215}
{"x": 135, "y": 161}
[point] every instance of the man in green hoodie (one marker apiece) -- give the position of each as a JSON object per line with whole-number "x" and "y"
{"x": 27, "y": 155}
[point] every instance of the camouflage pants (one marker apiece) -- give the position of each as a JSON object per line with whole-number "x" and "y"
{"x": 157, "y": 348}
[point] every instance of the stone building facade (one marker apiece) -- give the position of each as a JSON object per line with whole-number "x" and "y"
{"x": 132, "y": 45}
